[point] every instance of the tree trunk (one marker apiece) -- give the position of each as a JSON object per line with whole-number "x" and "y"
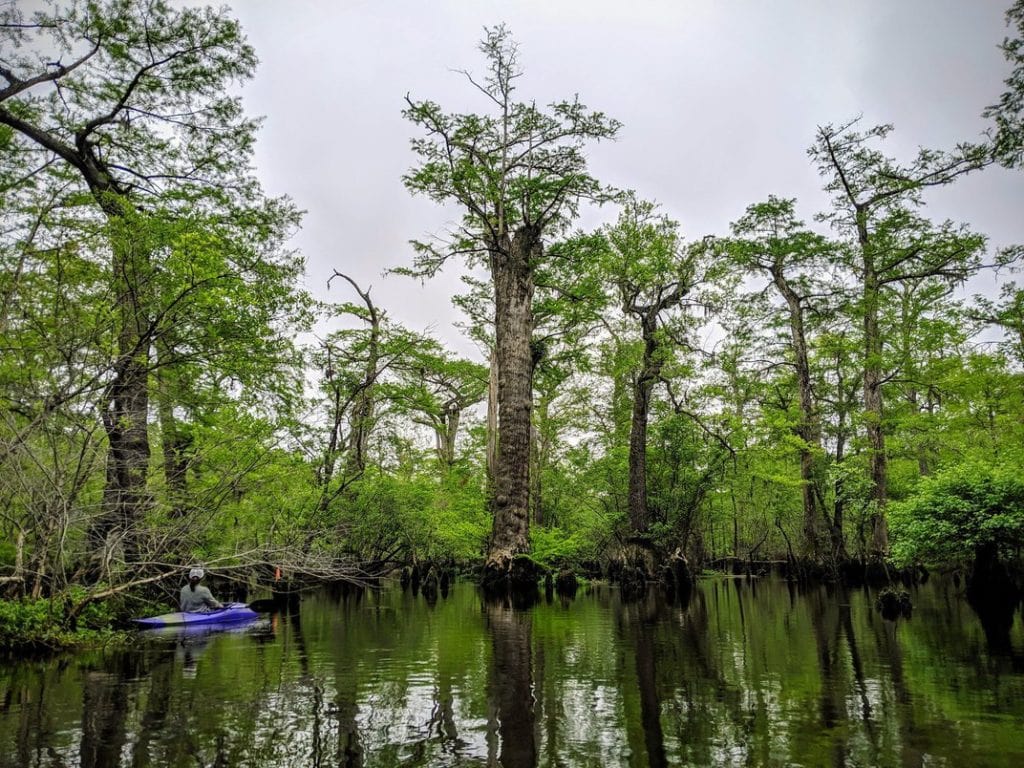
{"x": 512, "y": 271}
{"x": 447, "y": 433}
{"x": 639, "y": 515}
{"x": 364, "y": 405}
{"x": 536, "y": 463}
{"x": 809, "y": 428}
{"x": 839, "y": 510}
{"x": 330, "y": 458}
{"x": 492, "y": 419}
{"x": 126, "y": 410}
{"x": 873, "y": 398}
{"x": 175, "y": 443}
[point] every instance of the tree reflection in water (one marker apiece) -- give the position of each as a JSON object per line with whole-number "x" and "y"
{"x": 510, "y": 686}
{"x": 743, "y": 673}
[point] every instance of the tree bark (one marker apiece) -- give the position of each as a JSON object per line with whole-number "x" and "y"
{"x": 873, "y": 394}
{"x": 809, "y": 428}
{"x": 639, "y": 515}
{"x": 512, "y": 262}
{"x": 449, "y": 431}
{"x": 492, "y": 419}
{"x": 175, "y": 443}
{"x": 126, "y": 408}
{"x": 364, "y": 405}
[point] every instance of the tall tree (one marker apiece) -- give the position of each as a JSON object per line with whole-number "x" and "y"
{"x": 438, "y": 388}
{"x": 653, "y": 272}
{"x": 353, "y": 362}
{"x": 770, "y": 239}
{"x": 1006, "y": 313}
{"x": 874, "y": 203}
{"x": 519, "y": 174}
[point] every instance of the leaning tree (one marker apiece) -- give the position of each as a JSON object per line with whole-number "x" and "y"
{"x": 770, "y": 240}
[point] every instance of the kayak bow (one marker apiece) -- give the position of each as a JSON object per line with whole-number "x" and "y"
{"x": 231, "y": 612}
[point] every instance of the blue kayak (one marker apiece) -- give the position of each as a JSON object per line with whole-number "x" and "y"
{"x": 231, "y": 612}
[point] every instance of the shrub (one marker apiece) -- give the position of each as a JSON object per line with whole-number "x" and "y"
{"x": 42, "y": 624}
{"x": 959, "y": 512}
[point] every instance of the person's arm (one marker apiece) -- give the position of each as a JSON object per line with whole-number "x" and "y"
{"x": 210, "y": 600}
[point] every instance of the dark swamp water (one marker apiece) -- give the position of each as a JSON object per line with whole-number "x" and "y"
{"x": 746, "y": 673}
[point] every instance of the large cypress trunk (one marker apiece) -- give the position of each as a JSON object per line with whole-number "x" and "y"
{"x": 512, "y": 262}
{"x": 126, "y": 407}
{"x": 639, "y": 516}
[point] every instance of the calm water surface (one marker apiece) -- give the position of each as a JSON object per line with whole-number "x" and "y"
{"x": 745, "y": 673}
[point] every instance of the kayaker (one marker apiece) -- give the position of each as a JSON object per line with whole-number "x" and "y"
{"x": 196, "y": 598}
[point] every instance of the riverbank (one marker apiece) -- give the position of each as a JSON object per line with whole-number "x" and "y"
{"x": 41, "y": 625}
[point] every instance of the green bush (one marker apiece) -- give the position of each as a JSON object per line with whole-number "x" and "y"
{"x": 957, "y": 512}
{"x": 27, "y": 623}
{"x": 555, "y": 548}
{"x": 43, "y": 624}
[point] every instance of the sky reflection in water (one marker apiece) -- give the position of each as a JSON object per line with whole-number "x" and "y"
{"x": 743, "y": 673}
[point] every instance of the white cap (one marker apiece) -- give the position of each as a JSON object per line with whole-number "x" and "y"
{"x": 196, "y": 573}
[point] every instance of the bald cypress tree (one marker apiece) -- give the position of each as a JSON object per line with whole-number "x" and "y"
{"x": 518, "y": 173}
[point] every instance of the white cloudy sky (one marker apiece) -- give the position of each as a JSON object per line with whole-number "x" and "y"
{"x": 719, "y": 101}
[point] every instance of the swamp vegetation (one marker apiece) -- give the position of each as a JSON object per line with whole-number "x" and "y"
{"x": 854, "y": 417}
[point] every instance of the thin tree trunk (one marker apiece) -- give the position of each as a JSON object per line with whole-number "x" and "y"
{"x": 809, "y": 428}
{"x": 639, "y": 514}
{"x": 446, "y": 437}
{"x": 364, "y": 406}
{"x": 873, "y": 399}
{"x": 175, "y": 444}
{"x": 330, "y": 458}
{"x": 536, "y": 463}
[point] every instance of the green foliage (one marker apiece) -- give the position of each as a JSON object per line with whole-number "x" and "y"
{"x": 1008, "y": 112}
{"x": 43, "y": 624}
{"x": 555, "y": 548}
{"x": 520, "y": 166}
{"x": 253, "y": 441}
{"x": 415, "y": 517}
{"x": 958, "y": 512}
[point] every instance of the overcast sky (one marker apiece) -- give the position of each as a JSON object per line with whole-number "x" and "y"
{"x": 719, "y": 101}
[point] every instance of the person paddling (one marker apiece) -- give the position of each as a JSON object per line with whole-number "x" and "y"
{"x": 196, "y": 598}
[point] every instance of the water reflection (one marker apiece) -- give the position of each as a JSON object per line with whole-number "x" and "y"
{"x": 736, "y": 673}
{"x": 510, "y": 685}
